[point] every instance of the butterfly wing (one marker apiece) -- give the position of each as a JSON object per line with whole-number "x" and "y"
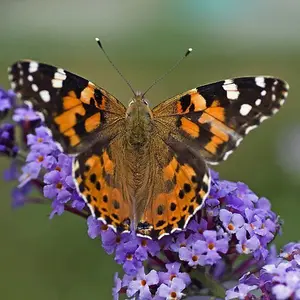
{"x": 100, "y": 180}
{"x": 73, "y": 108}
{"x": 214, "y": 118}
{"x": 178, "y": 185}
{"x": 201, "y": 125}
{"x": 86, "y": 121}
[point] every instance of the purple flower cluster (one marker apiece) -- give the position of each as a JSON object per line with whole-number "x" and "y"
{"x": 225, "y": 240}
{"x": 234, "y": 221}
{"x": 278, "y": 279}
{"x": 7, "y": 100}
{"x": 45, "y": 157}
{"x": 7, "y": 140}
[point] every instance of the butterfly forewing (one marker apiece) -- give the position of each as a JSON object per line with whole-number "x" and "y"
{"x": 73, "y": 108}
{"x": 214, "y": 118}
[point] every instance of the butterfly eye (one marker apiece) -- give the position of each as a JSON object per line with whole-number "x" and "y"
{"x": 131, "y": 102}
{"x": 146, "y": 101}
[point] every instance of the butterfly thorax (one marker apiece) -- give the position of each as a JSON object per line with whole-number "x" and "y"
{"x": 138, "y": 124}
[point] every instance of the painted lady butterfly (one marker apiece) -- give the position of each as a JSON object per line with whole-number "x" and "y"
{"x": 141, "y": 168}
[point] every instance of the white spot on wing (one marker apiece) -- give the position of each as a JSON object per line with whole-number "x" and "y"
{"x": 13, "y": 85}
{"x": 238, "y": 142}
{"x": 273, "y": 97}
{"x": 227, "y": 154}
{"x": 29, "y": 104}
{"x": 57, "y": 83}
{"x": 228, "y": 81}
{"x": 45, "y": 95}
{"x": 263, "y": 118}
{"x": 30, "y": 78}
{"x": 21, "y": 81}
{"x": 250, "y": 128}
{"x": 60, "y": 74}
{"x": 258, "y": 102}
{"x": 41, "y": 116}
{"x": 206, "y": 179}
{"x": 34, "y": 87}
{"x": 263, "y": 93}
{"x": 284, "y": 94}
{"x": 231, "y": 89}
{"x": 197, "y": 209}
{"x": 10, "y": 77}
{"x": 245, "y": 109}
{"x": 281, "y": 102}
{"x": 33, "y": 67}
{"x": 260, "y": 81}
{"x": 275, "y": 110}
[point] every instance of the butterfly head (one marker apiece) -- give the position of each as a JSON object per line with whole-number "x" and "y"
{"x": 138, "y": 106}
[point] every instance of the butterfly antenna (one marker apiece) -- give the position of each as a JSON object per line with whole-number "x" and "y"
{"x": 127, "y": 82}
{"x": 169, "y": 71}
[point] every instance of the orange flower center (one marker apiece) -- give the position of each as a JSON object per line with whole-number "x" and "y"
{"x": 59, "y": 185}
{"x": 144, "y": 243}
{"x": 58, "y": 168}
{"x": 39, "y": 140}
{"x": 173, "y": 295}
{"x": 104, "y": 227}
{"x": 230, "y": 226}
{"x": 172, "y": 276}
{"x": 194, "y": 258}
{"x": 143, "y": 282}
{"x": 129, "y": 257}
{"x": 211, "y": 246}
{"x": 40, "y": 158}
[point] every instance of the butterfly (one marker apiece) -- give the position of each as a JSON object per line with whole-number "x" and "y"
{"x": 138, "y": 168}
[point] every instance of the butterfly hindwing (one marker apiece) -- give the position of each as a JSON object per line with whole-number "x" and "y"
{"x": 181, "y": 183}
{"x": 214, "y": 118}
{"x": 100, "y": 182}
{"x": 73, "y": 107}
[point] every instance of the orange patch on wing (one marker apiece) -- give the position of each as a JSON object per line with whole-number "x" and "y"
{"x": 70, "y": 101}
{"x": 108, "y": 164}
{"x": 202, "y": 193}
{"x": 169, "y": 170}
{"x": 217, "y": 127}
{"x": 221, "y": 131}
{"x": 67, "y": 119}
{"x": 198, "y": 101}
{"x": 188, "y": 171}
{"x": 189, "y": 127}
{"x": 87, "y": 94}
{"x": 103, "y": 197}
{"x": 179, "y": 107}
{"x": 92, "y": 122}
{"x": 215, "y": 103}
{"x": 212, "y": 146}
{"x": 74, "y": 138}
{"x": 103, "y": 103}
{"x": 217, "y": 112}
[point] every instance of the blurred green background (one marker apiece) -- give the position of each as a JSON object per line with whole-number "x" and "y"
{"x": 42, "y": 259}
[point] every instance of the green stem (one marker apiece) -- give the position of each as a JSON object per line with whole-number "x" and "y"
{"x": 206, "y": 279}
